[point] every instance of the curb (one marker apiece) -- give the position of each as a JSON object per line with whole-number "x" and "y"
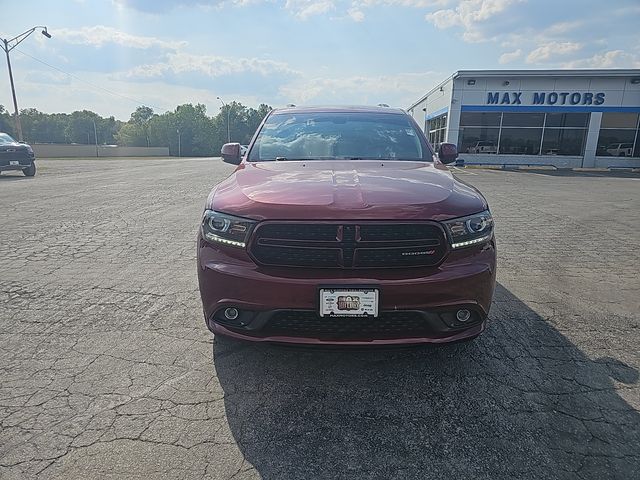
{"x": 481, "y": 167}
{"x": 548, "y": 167}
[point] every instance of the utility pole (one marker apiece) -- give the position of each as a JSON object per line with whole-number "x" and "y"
{"x": 95, "y": 136}
{"x": 228, "y": 124}
{"x": 16, "y": 115}
{"x": 7, "y": 46}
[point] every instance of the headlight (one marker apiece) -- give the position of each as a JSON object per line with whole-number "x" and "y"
{"x": 226, "y": 229}
{"x": 471, "y": 230}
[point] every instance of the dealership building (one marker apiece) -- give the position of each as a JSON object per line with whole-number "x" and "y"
{"x": 565, "y": 118}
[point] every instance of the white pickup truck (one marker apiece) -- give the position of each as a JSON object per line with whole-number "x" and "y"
{"x": 483, "y": 147}
{"x": 620, "y": 149}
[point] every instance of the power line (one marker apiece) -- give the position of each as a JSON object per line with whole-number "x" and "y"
{"x": 110, "y": 92}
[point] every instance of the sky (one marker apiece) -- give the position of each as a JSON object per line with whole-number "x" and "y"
{"x": 110, "y": 56}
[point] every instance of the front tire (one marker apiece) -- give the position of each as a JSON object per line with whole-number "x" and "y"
{"x": 30, "y": 171}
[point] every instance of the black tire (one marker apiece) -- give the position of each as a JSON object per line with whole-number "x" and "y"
{"x": 30, "y": 171}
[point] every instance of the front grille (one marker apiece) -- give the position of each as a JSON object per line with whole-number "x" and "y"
{"x": 401, "y": 232}
{"x": 289, "y": 231}
{"x": 349, "y": 245}
{"x": 20, "y": 154}
{"x": 388, "y": 325}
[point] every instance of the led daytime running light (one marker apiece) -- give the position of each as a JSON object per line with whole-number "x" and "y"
{"x": 471, "y": 242}
{"x": 216, "y": 238}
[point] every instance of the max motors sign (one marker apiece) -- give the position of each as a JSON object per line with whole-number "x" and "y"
{"x": 545, "y": 98}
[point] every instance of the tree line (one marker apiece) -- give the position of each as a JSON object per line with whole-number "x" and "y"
{"x": 197, "y": 133}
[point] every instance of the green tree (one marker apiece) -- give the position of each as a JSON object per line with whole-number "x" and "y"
{"x": 135, "y": 133}
{"x": 195, "y": 130}
{"x": 108, "y": 128}
{"x": 255, "y": 117}
{"x": 80, "y": 128}
{"x": 142, "y": 115}
{"x": 243, "y": 123}
{"x": 39, "y": 127}
{"x": 132, "y": 135}
{"x": 200, "y": 135}
{"x": 6, "y": 122}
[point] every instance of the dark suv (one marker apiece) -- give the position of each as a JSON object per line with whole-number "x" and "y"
{"x": 16, "y": 156}
{"x": 342, "y": 226}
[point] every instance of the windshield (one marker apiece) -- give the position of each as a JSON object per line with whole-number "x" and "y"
{"x": 6, "y": 139}
{"x": 344, "y": 136}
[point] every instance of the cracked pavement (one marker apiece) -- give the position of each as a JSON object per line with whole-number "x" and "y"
{"x": 108, "y": 371}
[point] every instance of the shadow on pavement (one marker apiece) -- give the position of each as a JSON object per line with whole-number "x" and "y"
{"x": 520, "y": 402}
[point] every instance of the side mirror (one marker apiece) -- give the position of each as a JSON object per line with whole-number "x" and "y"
{"x": 231, "y": 153}
{"x": 447, "y": 152}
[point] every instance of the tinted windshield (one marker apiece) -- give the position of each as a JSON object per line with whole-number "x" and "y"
{"x": 5, "y": 139}
{"x": 327, "y": 135}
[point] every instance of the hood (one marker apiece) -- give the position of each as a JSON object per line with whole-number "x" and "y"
{"x": 345, "y": 190}
{"x": 14, "y": 146}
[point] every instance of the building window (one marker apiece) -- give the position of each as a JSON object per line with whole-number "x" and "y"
{"x": 563, "y": 141}
{"x": 619, "y": 135}
{"x": 520, "y": 141}
{"x": 474, "y": 119}
{"x": 437, "y": 129}
{"x": 479, "y": 140}
{"x": 523, "y": 133}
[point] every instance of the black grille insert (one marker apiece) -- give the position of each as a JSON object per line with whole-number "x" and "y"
{"x": 388, "y": 325}
{"x": 349, "y": 245}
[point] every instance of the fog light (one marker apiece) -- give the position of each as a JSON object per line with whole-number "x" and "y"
{"x": 463, "y": 315}
{"x": 231, "y": 313}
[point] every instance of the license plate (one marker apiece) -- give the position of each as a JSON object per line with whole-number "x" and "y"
{"x": 348, "y": 302}
{"x": 14, "y": 162}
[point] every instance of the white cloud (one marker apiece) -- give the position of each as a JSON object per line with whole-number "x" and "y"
{"x": 100, "y": 35}
{"x": 549, "y": 51}
{"x": 304, "y": 9}
{"x": 51, "y": 97}
{"x": 403, "y": 3}
{"x": 609, "y": 59}
{"x": 209, "y": 65}
{"x": 163, "y": 6}
{"x": 356, "y": 14}
{"x": 356, "y": 8}
{"x": 470, "y": 15}
{"x": 395, "y": 90}
{"x": 562, "y": 28}
{"x": 509, "y": 57}
{"x": 47, "y": 77}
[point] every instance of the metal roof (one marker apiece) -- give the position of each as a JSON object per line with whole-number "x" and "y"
{"x": 582, "y": 72}
{"x": 553, "y": 73}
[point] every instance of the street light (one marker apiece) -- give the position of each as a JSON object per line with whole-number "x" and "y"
{"x": 7, "y": 46}
{"x": 228, "y": 125}
{"x": 95, "y": 136}
{"x": 179, "y": 142}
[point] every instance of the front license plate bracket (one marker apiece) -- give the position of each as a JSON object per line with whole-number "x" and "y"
{"x": 349, "y": 301}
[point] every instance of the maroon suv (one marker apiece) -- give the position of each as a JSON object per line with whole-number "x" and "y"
{"x": 342, "y": 226}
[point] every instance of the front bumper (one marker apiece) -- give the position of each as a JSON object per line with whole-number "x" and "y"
{"x": 5, "y": 165}
{"x": 427, "y": 297}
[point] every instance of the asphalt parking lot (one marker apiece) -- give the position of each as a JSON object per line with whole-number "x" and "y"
{"x": 108, "y": 371}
